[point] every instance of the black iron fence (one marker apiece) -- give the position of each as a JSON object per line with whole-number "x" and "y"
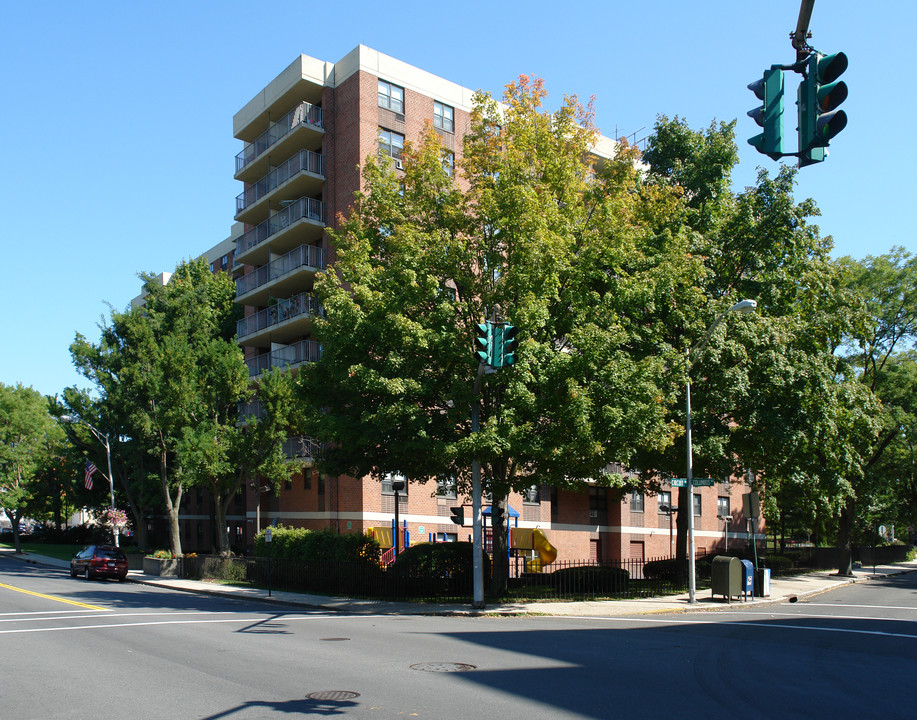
{"x": 569, "y": 580}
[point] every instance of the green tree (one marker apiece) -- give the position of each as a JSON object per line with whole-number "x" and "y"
{"x": 576, "y": 251}
{"x": 878, "y": 356}
{"x": 768, "y": 391}
{"x": 171, "y": 372}
{"x": 29, "y": 443}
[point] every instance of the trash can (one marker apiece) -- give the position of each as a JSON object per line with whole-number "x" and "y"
{"x": 763, "y": 582}
{"x": 748, "y": 578}
{"x": 726, "y": 577}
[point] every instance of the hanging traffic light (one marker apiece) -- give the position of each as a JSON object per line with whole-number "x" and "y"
{"x": 819, "y": 95}
{"x": 458, "y": 515}
{"x": 769, "y": 115}
{"x": 483, "y": 342}
{"x": 509, "y": 344}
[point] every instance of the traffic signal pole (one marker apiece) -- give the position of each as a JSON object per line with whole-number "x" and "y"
{"x": 477, "y": 535}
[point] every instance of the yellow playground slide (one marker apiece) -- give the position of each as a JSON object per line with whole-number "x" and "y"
{"x": 534, "y": 539}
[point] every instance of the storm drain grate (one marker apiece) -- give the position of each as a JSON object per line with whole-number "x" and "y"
{"x": 333, "y": 695}
{"x": 443, "y": 667}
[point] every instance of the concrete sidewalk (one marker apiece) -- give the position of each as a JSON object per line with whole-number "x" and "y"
{"x": 783, "y": 589}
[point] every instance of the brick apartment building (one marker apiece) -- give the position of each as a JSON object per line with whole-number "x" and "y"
{"x": 305, "y": 136}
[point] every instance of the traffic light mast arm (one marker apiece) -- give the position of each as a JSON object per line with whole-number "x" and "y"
{"x": 801, "y": 34}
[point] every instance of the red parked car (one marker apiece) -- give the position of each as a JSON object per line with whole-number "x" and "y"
{"x": 99, "y": 561}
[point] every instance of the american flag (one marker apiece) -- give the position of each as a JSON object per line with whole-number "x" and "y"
{"x": 90, "y": 470}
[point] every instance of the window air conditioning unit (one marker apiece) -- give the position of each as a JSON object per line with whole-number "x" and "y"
{"x": 399, "y": 165}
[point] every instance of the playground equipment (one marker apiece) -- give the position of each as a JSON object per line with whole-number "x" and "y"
{"x": 533, "y": 539}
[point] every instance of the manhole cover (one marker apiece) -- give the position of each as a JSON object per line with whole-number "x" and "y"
{"x": 333, "y": 639}
{"x": 443, "y": 667}
{"x": 333, "y": 695}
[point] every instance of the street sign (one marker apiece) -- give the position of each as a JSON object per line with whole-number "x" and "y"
{"x": 697, "y": 482}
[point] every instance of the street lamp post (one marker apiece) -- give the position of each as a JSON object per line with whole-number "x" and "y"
{"x": 726, "y": 520}
{"x": 397, "y": 486}
{"x": 743, "y": 306}
{"x": 104, "y": 439}
{"x": 670, "y": 511}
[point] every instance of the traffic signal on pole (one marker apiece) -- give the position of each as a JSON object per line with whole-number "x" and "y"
{"x": 483, "y": 342}
{"x": 769, "y": 115}
{"x": 819, "y": 95}
{"x": 509, "y": 344}
{"x": 458, "y": 515}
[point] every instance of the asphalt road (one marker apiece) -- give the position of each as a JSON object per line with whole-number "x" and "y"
{"x": 101, "y": 649}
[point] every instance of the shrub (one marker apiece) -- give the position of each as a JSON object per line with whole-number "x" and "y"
{"x": 591, "y": 579}
{"x": 779, "y": 564}
{"x": 436, "y": 569}
{"x": 326, "y": 544}
{"x": 660, "y": 570}
{"x": 163, "y": 554}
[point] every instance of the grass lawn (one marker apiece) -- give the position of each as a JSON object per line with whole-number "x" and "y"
{"x": 59, "y": 551}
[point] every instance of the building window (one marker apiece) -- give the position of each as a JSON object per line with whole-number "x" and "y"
{"x": 531, "y": 495}
{"x": 445, "y": 488}
{"x": 697, "y": 505}
{"x": 447, "y": 537}
{"x": 598, "y": 504}
{"x": 391, "y": 144}
{"x": 664, "y": 500}
{"x": 636, "y": 501}
{"x": 722, "y": 507}
{"x": 391, "y": 97}
{"x": 443, "y": 117}
{"x": 449, "y": 163}
{"x": 307, "y": 479}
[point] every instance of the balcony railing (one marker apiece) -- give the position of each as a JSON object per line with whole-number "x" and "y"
{"x": 303, "y": 114}
{"x": 303, "y": 161}
{"x": 302, "y": 447}
{"x": 300, "y": 352}
{"x": 303, "y": 256}
{"x": 296, "y": 306}
{"x": 302, "y": 208}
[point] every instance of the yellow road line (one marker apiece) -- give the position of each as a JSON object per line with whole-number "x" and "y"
{"x": 52, "y": 597}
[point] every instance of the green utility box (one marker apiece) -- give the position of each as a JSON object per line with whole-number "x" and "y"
{"x": 727, "y": 577}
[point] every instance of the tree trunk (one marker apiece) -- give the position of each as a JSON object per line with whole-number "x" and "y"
{"x": 681, "y": 539}
{"x": 221, "y": 506}
{"x": 172, "y": 506}
{"x": 500, "y": 559}
{"x": 845, "y": 539}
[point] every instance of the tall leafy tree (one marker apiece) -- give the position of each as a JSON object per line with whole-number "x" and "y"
{"x": 768, "y": 391}
{"x": 29, "y": 443}
{"x": 172, "y": 374}
{"x": 577, "y": 252}
{"x": 879, "y": 356}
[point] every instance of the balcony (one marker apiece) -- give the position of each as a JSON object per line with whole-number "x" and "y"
{"x": 302, "y": 448}
{"x": 301, "y": 222}
{"x": 289, "y": 356}
{"x": 304, "y": 173}
{"x": 305, "y": 120}
{"x": 281, "y": 322}
{"x": 280, "y": 277}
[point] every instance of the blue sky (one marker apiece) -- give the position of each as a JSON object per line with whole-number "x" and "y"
{"x": 117, "y": 119}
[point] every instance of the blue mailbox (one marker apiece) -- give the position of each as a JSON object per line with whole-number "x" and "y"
{"x": 748, "y": 578}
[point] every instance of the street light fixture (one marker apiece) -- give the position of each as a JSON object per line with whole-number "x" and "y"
{"x": 743, "y": 306}
{"x": 726, "y": 520}
{"x": 104, "y": 439}
{"x": 670, "y": 511}
{"x": 397, "y": 485}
